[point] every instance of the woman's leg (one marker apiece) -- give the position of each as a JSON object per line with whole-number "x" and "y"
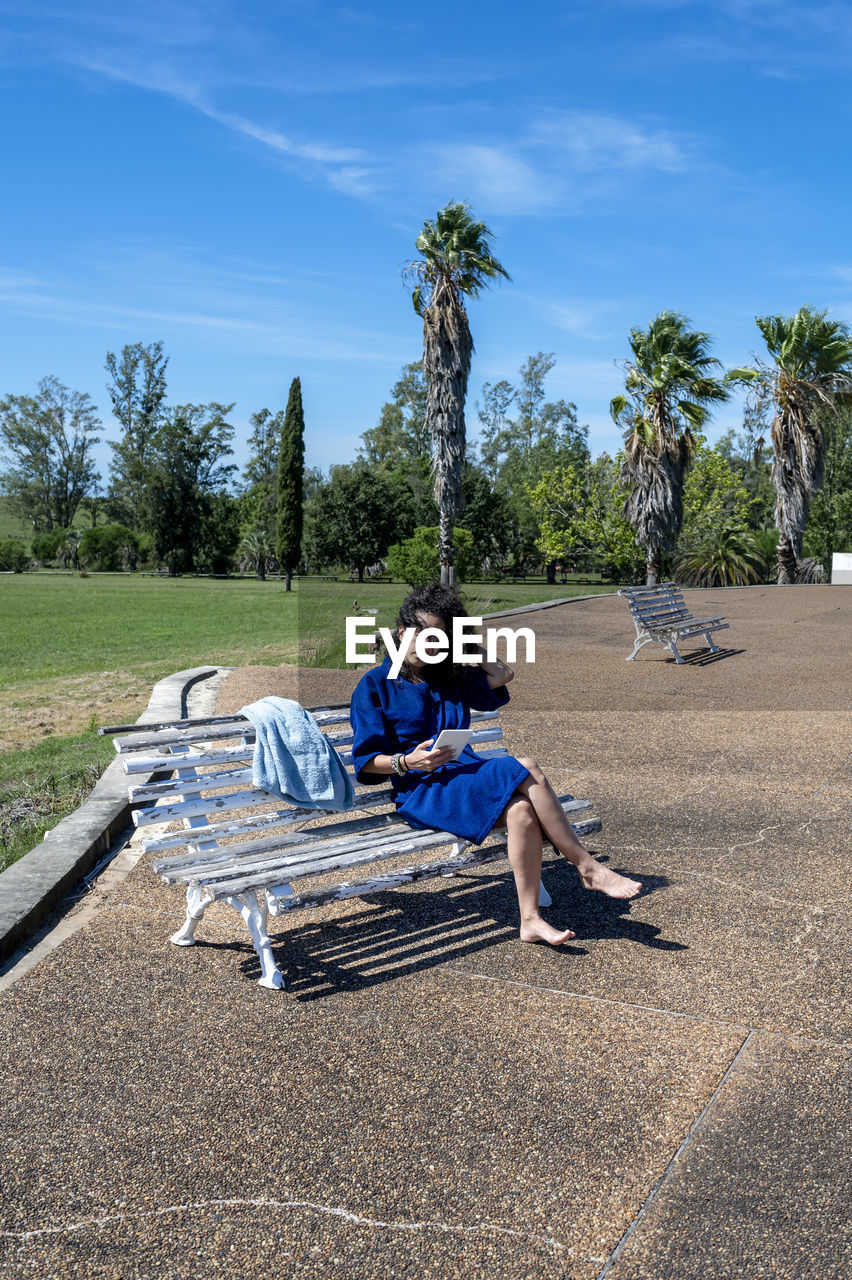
{"x": 524, "y": 845}
{"x": 560, "y": 833}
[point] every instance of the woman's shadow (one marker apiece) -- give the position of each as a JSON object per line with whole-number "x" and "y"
{"x": 410, "y": 932}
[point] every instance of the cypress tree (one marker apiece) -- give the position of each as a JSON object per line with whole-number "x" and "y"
{"x": 291, "y": 466}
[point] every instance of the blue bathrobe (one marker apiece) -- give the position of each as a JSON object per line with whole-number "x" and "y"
{"x": 465, "y": 796}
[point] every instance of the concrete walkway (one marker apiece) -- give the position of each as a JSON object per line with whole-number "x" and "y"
{"x": 666, "y": 1097}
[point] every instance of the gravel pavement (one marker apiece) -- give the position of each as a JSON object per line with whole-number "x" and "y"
{"x": 667, "y": 1097}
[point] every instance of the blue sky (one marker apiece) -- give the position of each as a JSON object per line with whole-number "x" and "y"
{"x": 243, "y": 181}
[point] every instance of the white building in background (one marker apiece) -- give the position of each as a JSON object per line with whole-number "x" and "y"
{"x": 841, "y": 567}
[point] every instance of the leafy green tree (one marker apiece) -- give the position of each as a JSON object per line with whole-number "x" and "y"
{"x": 669, "y": 385}
{"x": 45, "y": 545}
{"x": 809, "y": 372}
{"x": 829, "y": 525}
{"x": 488, "y": 516}
{"x": 401, "y": 435}
{"x": 185, "y": 470}
{"x": 417, "y": 560}
{"x": 493, "y": 414}
{"x": 540, "y": 437}
{"x": 352, "y": 518}
{"x": 558, "y": 503}
{"x": 579, "y": 512}
{"x": 49, "y": 440}
{"x": 400, "y": 444}
{"x": 751, "y": 459}
{"x": 137, "y": 389}
{"x": 219, "y": 528}
{"x": 291, "y": 466}
{"x": 456, "y": 263}
{"x": 259, "y": 498}
{"x": 110, "y": 547}
{"x": 13, "y": 556}
{"x": 714, "y": 498}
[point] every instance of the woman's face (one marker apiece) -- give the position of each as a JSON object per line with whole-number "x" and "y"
{"x": 424, "y": 620}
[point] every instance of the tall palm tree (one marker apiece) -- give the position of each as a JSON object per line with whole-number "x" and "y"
{"x": 456, "y": 263}
{"x": 810, "y": 376}
{"x": 669, "y": 385}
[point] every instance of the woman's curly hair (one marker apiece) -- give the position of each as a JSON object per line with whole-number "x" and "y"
{"x": 446, "y": 604}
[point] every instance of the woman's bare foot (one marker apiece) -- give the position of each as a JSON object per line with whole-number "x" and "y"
{"x": 538, "y": 930}
{"x": 609, "y": 882}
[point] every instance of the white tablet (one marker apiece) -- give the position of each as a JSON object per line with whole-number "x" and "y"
{"x": 455, "y": 738}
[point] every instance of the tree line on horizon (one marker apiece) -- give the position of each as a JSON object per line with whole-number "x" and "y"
{"x": 170, "y": 496}
{"x": 421, "y": 501}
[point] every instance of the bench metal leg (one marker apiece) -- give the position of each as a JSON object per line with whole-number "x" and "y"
{"x": 544, "y": 898}
{"x": 196, "y": 904}
{"x": 640, "y": 640}
{"x": 673, "y": 648}
{"x": 255, "y": 915}
{"x": 456, "y": 852}
{"x": 714, "y": 648}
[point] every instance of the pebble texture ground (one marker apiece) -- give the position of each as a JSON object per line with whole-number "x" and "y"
{"x": 667, "y": 1097}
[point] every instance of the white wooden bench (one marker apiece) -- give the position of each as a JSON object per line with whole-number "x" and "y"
{"x": 660, "y": 613}
{"x": 241, "y": 846}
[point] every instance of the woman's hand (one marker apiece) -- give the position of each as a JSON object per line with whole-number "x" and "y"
{"x": 426, "y": 761}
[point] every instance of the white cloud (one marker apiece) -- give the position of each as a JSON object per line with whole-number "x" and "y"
{"x": 495, "y": 176}
{"x": 563, "y": 161}
{"x": 344, "y": 168}
{"x": 593, "y": 141}
{"x": 583, "y": 319}
{"x": 287, "y": 331}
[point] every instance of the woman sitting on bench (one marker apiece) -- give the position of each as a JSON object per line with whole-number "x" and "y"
{"x": 394, "y": 723}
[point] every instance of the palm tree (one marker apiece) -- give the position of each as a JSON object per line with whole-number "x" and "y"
{"x": 256, "y": 552}
{"x": 68, "y": 551}
{"x": 456, "y": 263}
{"x": 669, "y": 384}
{"x": 811, "y": 370}
{"x": 730, "y": 558}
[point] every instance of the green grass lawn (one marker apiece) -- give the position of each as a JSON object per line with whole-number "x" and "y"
{"x": 41, "y": 785}
{"x": 59, "y": 624}
{"x": 81, "y": 652}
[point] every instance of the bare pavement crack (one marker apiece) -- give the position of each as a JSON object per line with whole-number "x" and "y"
{"x": 687, "y": 1141}
{"x": 103, "y": 1220}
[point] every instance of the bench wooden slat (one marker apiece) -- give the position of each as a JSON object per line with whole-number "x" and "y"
{"x": 249, "y": 823}
{"x": 187, "y": 865}
{"x": 698, "y": 623}
{"x": 407, "y": 875}
{"x": 199, "y": 760}
{"x": 321, "y": 842}
{"x": 273, "y": 871}
{"x": 298, "y": 869}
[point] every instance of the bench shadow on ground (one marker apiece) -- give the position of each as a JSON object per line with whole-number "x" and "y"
{"x": 704, "y": 657}
{"x": 412, "y": 932}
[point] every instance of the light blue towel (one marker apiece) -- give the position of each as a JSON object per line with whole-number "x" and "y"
{"x": 293, "y": 759}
